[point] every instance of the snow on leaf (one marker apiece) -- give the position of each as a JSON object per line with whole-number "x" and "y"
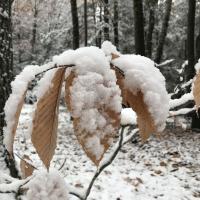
{"x": 140, "y": 74}
{"x": 15, "y": 101}
{"x": 145, "y": 121}
{"x": 196, "y": 91}
{"x": 95, "y": 121}
{"x": 136, "y": 102}
{"x": 13, "y": 127}
{"x": 45, "y": 120}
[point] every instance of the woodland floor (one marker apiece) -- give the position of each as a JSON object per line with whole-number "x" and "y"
{"x": 166, "y": 168}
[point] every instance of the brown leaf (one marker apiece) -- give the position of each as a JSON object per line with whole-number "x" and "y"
{"x": 144, "y": 118}
{"x": 136, "y": 102}
{"x": 82, "y": 135}
{"x": 14, "y": 126}
{"x": 196, "y": 91}
{"x": 26, "y": 168}
{"x": 45, "y": 122}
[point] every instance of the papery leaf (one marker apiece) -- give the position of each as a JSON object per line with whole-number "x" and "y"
{"x": 45, "y": 121}
{"x": 196, "y": 91}
{"x": 26, "y": 168}
{"x": 144, "y": 119}
{"x": 15, "y": 124}
{"x": 87, "y": 138}
{"x": 136, "y": 102}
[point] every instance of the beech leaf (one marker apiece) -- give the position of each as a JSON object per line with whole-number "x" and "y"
{"x": 15, "y": 124}
{"x": 136, "y": 102}
{"x": 83, "y": 135}
{"x": 45, "y": 121}
{"x": 26, "y": 168}
{"x": 196, "y": 91}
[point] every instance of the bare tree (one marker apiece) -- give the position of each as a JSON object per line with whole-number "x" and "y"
{"x": 106, "y": 20}
{"x": 85, "y": 22}
{"x": 116, "y": 21}
{"x": 75, "y": 24}
{"x": 99, "y": 37}
{"x": 151, "y": 23}
{"x": 163, "y": 33}
{"x": 189, "y": 70}
{"x": 34, "y": 30}
{"x": 198, "y": 41}
{"x": 6, "y": 72}
{"x": 139, "y": 27}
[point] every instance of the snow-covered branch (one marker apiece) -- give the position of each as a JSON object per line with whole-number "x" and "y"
{"x": 178, "y": 102}
{"x": 163, "y": 64}
{"x": 183, "y": 111}
{"x": 14, "y": 185}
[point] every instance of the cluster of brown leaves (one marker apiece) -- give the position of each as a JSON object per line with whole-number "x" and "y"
{"x": 45, "y": 120}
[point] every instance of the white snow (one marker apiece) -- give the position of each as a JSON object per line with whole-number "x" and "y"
{"x": 197, "y": 67}
{"x": 19, "y": 87}
{"x": 45, "y": 83}
{"x": 47, "y": 186}
{"x": 109, "y": 49}
{"x": 94, "y": 89}
{"x": 177, "y": 102}
{"x": 142, "y": 75}
{"x": 182, "y": 111}
{"x": 94, "y": 143}
{"x": 178, "y": 178}
{"x": 166, "y": 62}
{"x": 128, "y": 117}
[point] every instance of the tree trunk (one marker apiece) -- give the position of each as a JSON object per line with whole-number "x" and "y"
{"x": 152, "y": 7}
{"x": 6, "y": 72}
{"x": 75, "y": 24}
{"x": 34, "y": 31}
{"x": 106, "y": 21}
{"x": 163, "y": 33}
{"x": 116, "y": 21}
{"x": 198, "y": 44}
{"x": 85, "y": 22}
{"x": 99, "y": 36}
{"x": 189, "y": 70}
{"x": 139, "y": 27}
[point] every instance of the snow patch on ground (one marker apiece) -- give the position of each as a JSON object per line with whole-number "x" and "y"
{"x": 165, "y": 168}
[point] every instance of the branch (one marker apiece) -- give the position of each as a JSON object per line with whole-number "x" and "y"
{"x": 183, "y": 111}
{"x": 123, "y": 139}
{"x": 178, "y": 102}
{"x": 13, "y": 187}
{"x": 163, "y": 64}
{"x": 62, "y": 66}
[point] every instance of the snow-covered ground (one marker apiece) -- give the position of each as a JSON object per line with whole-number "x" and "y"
{"x": 165, "y": 168}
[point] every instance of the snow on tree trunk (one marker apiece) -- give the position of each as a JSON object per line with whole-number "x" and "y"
{"x": 6, "y": 70}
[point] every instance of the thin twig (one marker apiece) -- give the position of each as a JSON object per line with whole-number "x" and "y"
{"x": 62, "y": 164}
{"x": 108, "y": 162}
{"x": 26, "y": 161}
{"x": 54, "y": 67}
{"x": 122, "y": 141}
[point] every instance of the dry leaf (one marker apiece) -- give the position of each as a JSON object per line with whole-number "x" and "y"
{"x": 83, "y": 136}
{"x": 196, "y": 91}
{"x": 14, "y": 126}
{"x": 136, "y": 102}
{"x": 45, "y": 121}
{"x": 26, "y": 168}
